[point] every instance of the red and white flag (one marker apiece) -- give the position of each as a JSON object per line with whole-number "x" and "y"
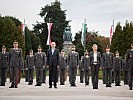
{"x": 23, "y": 27}
{"x": 49, "y": 30}
{"x": 111, "y": 33}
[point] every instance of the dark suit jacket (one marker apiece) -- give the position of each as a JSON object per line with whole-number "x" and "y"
{"x": 92, "y": 58}
{"x": 107, "y": 60}
{"x": 129, "y": 59}
{"x": 117, "y": 63}
{"x": 53, "y": 60}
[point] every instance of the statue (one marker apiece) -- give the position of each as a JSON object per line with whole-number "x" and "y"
{"x": 67, "y": 35}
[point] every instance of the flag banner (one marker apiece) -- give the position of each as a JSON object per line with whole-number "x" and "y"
{"x": 23, "y": 28}
{"x": 111, "y": 33}
{"x": 49, "y": 30}
{"x": 83, "y": 33}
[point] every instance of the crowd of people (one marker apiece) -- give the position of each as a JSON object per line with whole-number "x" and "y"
{"x": 60, "y": 66}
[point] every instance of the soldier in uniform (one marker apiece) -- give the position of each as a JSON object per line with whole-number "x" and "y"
{"x": 4, "y": 62}
{"x": 73, "y": 63}
{"x": 62, "y": 67}
{"x": 81, "y": 68}
{"x": 30, "y": 66}
{"x": 129, "y": 64}
{"x": 86, "y": 64}
{"x": 39, "y": 60}
{"x": 15, "y": 57}
{"x": 95, "y": 63}
{"x": 107, "y": 65}
{"x": 125, "y": 71}
{"x": 117, "y": 65}
{"x": 44, "y": 71}
{"x": 53, "y": 64}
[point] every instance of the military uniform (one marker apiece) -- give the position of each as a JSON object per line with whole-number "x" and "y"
{"x": 125, "y": 71}
{"x": 15, "y": 56}
{"x": 81, "y": 68}
{"x": 73, "y": 62}
{"x": 39, "y": 63}
{"x": 95, "y": 65}
{"x": 117, "y": 65}
{"x": 30, "y": 66}
{"x": 62, "y": 68}
{"x": 4, "y": 62}
{"x": 86, "y": 65}
{"x": 107, "y": 64}
{"x": 129, "y": 63}
{"x": 44, "y": 71}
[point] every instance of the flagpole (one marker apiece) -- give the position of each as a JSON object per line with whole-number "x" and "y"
{"x": 49, "y": 36}
{"x": 85, "y": 36}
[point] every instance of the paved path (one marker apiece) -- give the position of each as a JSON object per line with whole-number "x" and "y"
{"x": 25, "y": 92}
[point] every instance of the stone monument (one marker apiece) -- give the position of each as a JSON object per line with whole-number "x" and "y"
{"x": 67, "y": 37}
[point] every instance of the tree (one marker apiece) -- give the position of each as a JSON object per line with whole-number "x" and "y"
{"x": 122, "y": 38}
{"x": 28, "y": 44}
{"x": 91, "y": 38}
{"x": 9, "y": 32}
{"x": 52, "y": 13}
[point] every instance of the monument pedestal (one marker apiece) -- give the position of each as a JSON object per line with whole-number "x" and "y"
{"x": 67, "y": 45}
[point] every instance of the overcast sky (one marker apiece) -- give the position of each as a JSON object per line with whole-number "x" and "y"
{"x": 99, "y": 14}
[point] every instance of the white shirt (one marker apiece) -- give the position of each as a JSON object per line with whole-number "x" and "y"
{"x": 108, "y": 53}
{"x": 53, "y": 50}
{"x": 95, "y": 57}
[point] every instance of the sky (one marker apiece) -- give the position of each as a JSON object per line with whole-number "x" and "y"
{"x": 99, "y": 14}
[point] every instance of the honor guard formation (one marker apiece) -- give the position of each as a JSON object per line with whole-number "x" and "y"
{"x": 114, "y": 68}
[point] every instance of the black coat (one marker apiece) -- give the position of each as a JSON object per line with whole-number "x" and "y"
{"x": 117, "y": 63}
{"x": 107, "y": 60}
{"x": 53, "y": 60}
{"x": 92, "y": 58}
{"x": 129, "y": 59}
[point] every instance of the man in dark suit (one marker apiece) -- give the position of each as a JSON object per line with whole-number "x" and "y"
{"x": 53, "y": 64}
{"x": 129, "y": 64}
{"x": 39, "y": 64}
{"x": 4, "y": 62}
{"x": 16, "y": 62}
{"x": 107, "y": 65}
{"x": 95, "y": 63}
{"x": 117, "y": 65}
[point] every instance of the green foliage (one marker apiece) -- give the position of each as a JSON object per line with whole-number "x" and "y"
{"x": 9, "y": 32}
{"x": 122, "y": 38}
{"x": 28, "y": 44}
{"x": 52, "y": 13}
{"x": 91, "y": 38}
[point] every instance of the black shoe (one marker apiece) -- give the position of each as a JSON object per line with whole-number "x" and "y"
{"x": 86, "y": 83}
{"x": 37, "y": 85}
{"x": 50, "y": 86}
{"x": 11, "y": 86}
{"x": 95, "y": 87}
{"x": 55, "y": 87}
{"x": 44, "y": 82}
{"x": 117, "y": 85}
{"x": 81, "y": 82}
{"x": 16, "y": 86}
{"x": 130, "y": 88}
{"x": 107, "y": 85}
{"x": 104, "y": 83}
{"x": 2, "y": 85}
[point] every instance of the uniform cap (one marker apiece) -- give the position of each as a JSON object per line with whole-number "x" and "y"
{"x": 15, "y": 42}
{"x": 39, "y": 47}
{"x": 3, "y": 46}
